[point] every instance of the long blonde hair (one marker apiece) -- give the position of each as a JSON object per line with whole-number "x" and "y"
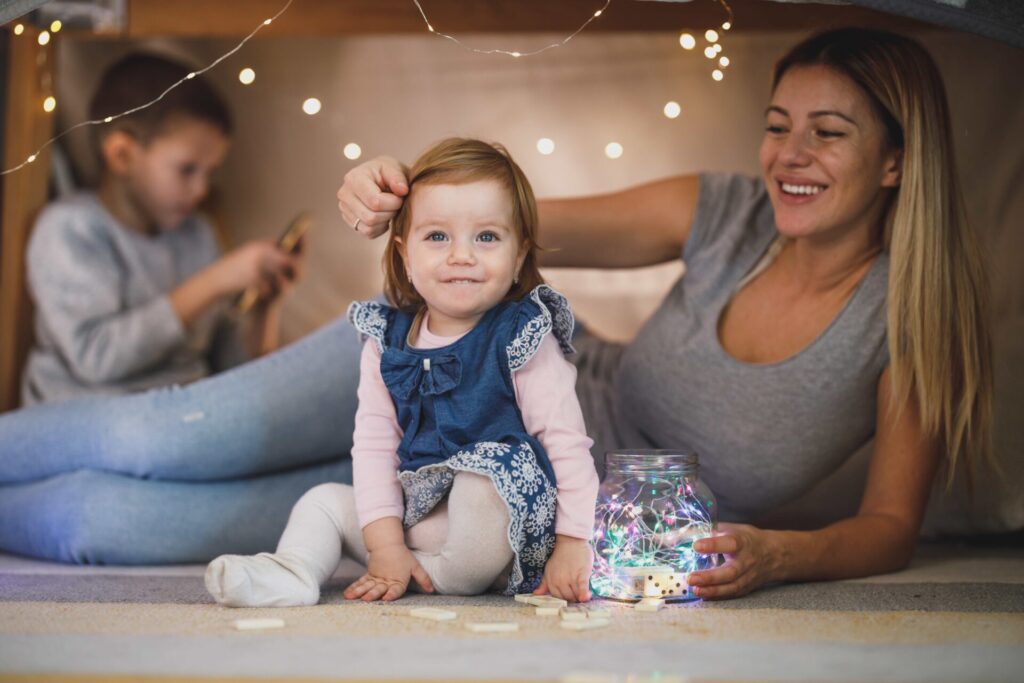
{"x": 939, "y": 331}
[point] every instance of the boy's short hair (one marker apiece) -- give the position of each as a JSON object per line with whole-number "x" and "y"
{"x": 139, "y": 78}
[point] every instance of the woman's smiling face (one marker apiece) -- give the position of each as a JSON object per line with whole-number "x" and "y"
{"x": 824, "y": 156}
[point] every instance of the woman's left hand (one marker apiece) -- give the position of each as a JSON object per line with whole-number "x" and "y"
{"x": 750, "y": 561}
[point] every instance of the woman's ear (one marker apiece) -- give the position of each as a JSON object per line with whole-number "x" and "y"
{"x": 119, "y": 150}
{"x": 893, "y": 173}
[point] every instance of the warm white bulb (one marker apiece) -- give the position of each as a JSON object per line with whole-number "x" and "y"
{"x": 108, "y": 119}
{"x": 352, "y": 151}
{"x": 686, "y": 41}
{"x": 311, "y": 106}
{"x": 49, "y": 104}
{"x": 598, "y": 13}
{"x": 31, "y": 158}
{"x": 710, "y": 52}
{"x": 267, "y": 22}
{"x": 723, "y": 61}
{"x": 19, "y": 29}
{"x": 711, "y": 35}
{"x": 56, "y": 26}
{"x": 44, "y": 38}
{"x": 545, "y": 146}
{"x": 717, "y": 75}
{"x": 190, "y": 76}
{"x": 517, "y": 54}
{"x": 613, "y": 150}
{"x": 718, "y": 47}
{"x": 672, "y": 109}
{"x": 246, "y": 76}
{"x": 726, "y": 26}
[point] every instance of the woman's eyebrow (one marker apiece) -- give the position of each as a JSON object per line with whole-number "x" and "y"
{"x": 814, "y": 114}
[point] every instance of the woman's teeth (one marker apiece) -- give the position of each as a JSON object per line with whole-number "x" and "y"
{"x": 801, "y": 189}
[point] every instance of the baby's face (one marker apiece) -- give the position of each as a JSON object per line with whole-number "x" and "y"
{"x": 461, "y": 250}
{"x": 170, "y": 174}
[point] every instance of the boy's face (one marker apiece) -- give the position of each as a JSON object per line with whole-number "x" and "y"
{"x": 168, "y": 176}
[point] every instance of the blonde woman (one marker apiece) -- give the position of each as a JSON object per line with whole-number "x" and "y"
{"x": 838, "y": 298}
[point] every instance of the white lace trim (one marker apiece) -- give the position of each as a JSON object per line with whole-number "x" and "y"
{"x": 555, "y": 315}
{"x": 369, "y": 319}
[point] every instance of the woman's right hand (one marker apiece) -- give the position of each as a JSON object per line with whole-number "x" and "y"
{"x": 371, "y": 195}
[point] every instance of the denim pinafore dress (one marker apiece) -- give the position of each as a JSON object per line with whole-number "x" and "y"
{"x": 457, "y": 409}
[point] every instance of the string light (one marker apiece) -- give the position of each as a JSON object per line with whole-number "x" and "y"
{"x": 511, "y": 53}
{"x": 672, "y": 110}
{"x": 687, "y": 42}
{"x": 32, "y": 157}
{"x": 246, "y": 76}
{"x": 726, "y": 26}
{"x": 49, "y": 104}
{"x": 613, "y": 150}
{"x": 44, "y": 37}
{"x": 352, "y": 151}
{"x": 311, "y": 106}
{"x": 545, "y": 146}
{"x": 647, "y": 524}
{"x": 723, "y": 62}
{"x": 717, "y": 74}
{"x": 19, "y": 29}
{"x": 56, "y": 26}
{"x": 711, "y": 35}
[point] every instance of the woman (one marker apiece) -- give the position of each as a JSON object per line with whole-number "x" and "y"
{"x": 840, "y": 297}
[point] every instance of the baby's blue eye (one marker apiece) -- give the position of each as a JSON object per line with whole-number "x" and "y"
{"x": 488, "y": 237}
{"x": 436, "y": 237}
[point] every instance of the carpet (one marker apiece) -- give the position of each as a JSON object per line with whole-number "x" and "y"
{"x": 956, "y": 614}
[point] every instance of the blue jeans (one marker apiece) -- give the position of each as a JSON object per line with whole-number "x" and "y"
{"x": 181, "y": 474}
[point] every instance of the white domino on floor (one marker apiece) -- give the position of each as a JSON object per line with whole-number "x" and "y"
{"x": 432, "y": 613}
{"x": 258, "y": 624}
{"x": 547, "y": 610}
{"x": 573, "y": 613}
{"x": 585, "y": 624}
{"x": 492, "y": 627}
{"x": 649, "y": 605}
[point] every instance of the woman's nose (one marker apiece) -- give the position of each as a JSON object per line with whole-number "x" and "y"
{"x": 795, "y": 150}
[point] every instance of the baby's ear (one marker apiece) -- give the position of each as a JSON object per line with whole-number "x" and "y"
{"x": 119, "y": 149}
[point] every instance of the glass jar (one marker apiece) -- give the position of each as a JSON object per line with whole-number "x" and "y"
{"x": 651, "y": 507}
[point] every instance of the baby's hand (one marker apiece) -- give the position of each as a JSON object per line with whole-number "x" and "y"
{"x": 567, "y": 574}
{"x": 387, "y": 575}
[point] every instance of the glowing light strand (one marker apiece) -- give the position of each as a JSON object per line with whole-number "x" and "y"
{"x": 95, "y": 122}
{"x": 654, "y": 527}
{"x": 512, "y": 53}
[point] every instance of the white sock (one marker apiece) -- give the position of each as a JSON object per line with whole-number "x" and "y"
{"x": 264, "y": 580}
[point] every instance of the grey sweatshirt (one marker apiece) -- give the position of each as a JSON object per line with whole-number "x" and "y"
{"x": 104, "y": 322}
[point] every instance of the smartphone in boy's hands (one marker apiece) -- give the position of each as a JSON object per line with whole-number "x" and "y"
{"x": 289, "y": 242}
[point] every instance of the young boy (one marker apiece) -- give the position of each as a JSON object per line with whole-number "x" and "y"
{"x": 129, "y": 286}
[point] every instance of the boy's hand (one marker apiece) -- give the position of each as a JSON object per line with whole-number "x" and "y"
{"x": 260, "y": 264}
{"x": 387, "y": 575}
{"x": 371, "y": 195}
{"x": 567, "y": 573}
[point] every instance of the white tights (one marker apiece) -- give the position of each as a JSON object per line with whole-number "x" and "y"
{"x": 462, "y": 545}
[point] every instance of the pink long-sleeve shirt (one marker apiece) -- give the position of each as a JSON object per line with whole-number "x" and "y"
{"x": 546, "y": 394}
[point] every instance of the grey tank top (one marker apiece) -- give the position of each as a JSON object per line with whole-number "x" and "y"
{"x": 765, "y": 433}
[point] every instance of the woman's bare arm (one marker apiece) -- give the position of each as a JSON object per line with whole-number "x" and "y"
{"x": 640, "y": 226}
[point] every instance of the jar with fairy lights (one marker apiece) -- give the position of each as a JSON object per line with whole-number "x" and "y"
{"x": 651, "y": 507}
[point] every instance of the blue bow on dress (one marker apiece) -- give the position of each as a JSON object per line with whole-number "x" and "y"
{"x": 406, "y": 373}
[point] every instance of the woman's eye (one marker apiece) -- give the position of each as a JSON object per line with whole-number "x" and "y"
{"x": 828, "y": 134}
{"x": 774, "y": 130}
{"x": 488, "y": 237}
{"x": 436, "y": 237}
